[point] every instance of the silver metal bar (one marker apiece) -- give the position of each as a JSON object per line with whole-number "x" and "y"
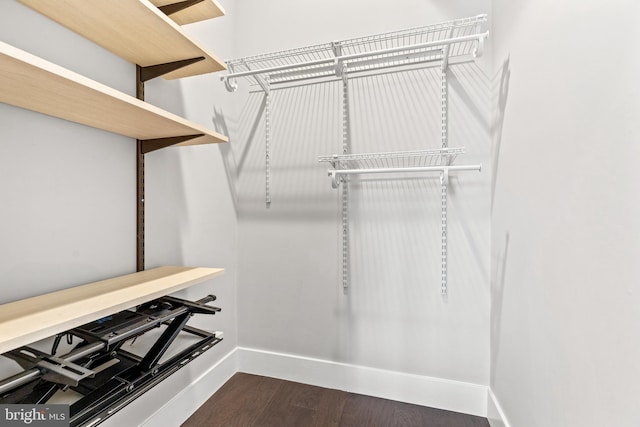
{"x": 18, "y": 380}
{"x": 83, "y": 351}
{"x": 31, "y": 374}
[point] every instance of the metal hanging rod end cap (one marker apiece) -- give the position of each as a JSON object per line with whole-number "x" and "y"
{"x": 444, "y": 177}
{"x": 479, "y": 50}
{"x": 230, "y": 84}
{"x": 335, "y": 179}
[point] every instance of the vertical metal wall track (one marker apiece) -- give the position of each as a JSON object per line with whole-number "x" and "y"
{"x": 346, "y": 149}
{"x": 264, "y": 83}
{"x": 444, "y": 176}
{"x": 267, "y": 144}
{"x": 139, "y": 183}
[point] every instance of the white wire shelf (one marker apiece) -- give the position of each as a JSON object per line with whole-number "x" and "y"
{"x": 439, "y": 160}
{"x": 395, "y": 159}
{"x": 443, "y": 41}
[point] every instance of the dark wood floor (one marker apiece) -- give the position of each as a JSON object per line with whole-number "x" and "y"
{"x": 254, "y": 401}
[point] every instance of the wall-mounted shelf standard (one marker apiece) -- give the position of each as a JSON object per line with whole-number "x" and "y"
{"x": 135, "y": 30}
{"x": 30, "y": 82}
{"x": 26, "y": 321}
{"x": 189, "y": 11}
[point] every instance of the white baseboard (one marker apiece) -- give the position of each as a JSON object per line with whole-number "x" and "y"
{"x": 494, "y": 411}
{"x": 188, "y": 400}
{"x": 421, "y": 390}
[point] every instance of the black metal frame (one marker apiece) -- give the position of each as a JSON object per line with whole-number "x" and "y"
{"x": 125, "y": 376}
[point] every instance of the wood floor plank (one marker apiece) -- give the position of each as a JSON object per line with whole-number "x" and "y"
{"x": 330, "y": 407}
{"x": 289, "y": 406}
{"x": 254, "y": 401}
{"x": 406, "y": 415}
{"x": 297, "y": 404}
{"x": 239, "y": 402}
{"x": 367, "y": 411}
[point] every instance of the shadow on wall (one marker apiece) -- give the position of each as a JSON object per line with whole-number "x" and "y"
{"x": 497, "y": 296}
{"x": 166, "y": 192}
{"x": 498, "y": 122}
{"x": 500, "y": 254}
{"x": 220, "y": 125}
{"x": 304, "y": 125}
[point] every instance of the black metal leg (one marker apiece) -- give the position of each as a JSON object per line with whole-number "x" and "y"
{"x": 163, "y": 343}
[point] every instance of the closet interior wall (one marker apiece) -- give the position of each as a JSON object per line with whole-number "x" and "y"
{"x": 69, "y": 191}
{"x": 566, "y": 241}
{"x": 393, "y": 316}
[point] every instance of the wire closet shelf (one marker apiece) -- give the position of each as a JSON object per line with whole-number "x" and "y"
{"x": 461, "y": 38}
{"x": 439, "y": 160}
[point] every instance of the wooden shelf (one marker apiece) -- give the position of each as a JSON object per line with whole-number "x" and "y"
{"x": 26, "y": 321}
{"x": 206, "y": 9}
{"x": 135, "y": 30}
{"x": 30, "y": 82}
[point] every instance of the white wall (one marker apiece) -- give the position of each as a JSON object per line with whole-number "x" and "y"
{"x": 565, "y": 232}
{"x": 67, "y": 198}
{"x": 68, "y": 191}
{"x": 290, "y": 297}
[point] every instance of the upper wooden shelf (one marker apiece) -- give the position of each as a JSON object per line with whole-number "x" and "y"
{"x": 30, "y": 82}
{"x": 135, "y": 30}
{"x": 205, "y": 9}
{"x": 26, "y": 321}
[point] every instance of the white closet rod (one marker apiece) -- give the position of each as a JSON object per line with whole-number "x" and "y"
{"x": 336, "y": 175}
{"x": 457, "y": 168}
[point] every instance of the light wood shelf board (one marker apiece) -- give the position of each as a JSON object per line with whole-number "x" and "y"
{"x": 204, "y": 10}
{"x": 26, "y": 321}
{"x": 135, "y": 30}
{"x": 30, "y": 82}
